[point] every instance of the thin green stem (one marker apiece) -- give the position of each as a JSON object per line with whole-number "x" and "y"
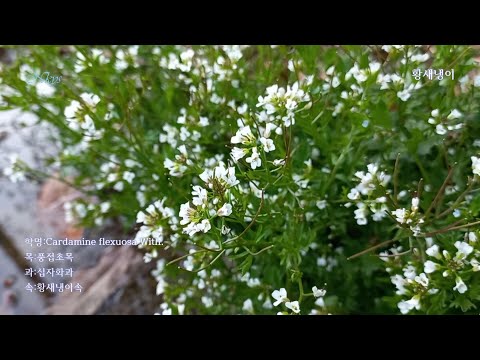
{"x": 258, "y": 252}
{"x": 253, "y": 220}
{"x": 395, "y": 180}
{"x": 458, "y": 201}
{"x": 439, "y": 193}
{"x": 300, "y": 286}
{"x": 422, "y": 170}
{"x": 184, "y": 256}
{"x": 206, "y": 266}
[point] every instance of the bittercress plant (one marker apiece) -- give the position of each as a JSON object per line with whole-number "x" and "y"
{"x": 266, "y": 171}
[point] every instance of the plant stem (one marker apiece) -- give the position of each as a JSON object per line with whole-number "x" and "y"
{"x": 458, "y": 201}
{"x": 449, "y": 228}
{"x": 363, "y": 252}
{"x": 439, "y": 193}
{"x": 300, "y": 286}
{"x": 258, "y": 252}
{"x": 395, "y": 180}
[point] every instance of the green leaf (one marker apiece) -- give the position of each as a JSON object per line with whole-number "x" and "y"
{"x": 463, "y": 303}
{"x": 380, "y": 116}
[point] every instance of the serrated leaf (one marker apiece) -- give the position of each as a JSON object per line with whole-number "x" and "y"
{"x": 463, "y": 303}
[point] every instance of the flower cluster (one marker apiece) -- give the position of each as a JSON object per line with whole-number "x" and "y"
{"x": 78, "y": 116}
{"x": 245, "y": 137}
{"x": 157, "y": 221}
{"x": 207, "y": 203}
{"x": 446, "y": 123}
{"x": 411, "y": 217}
{"x": 280, "y": 105}
{"x": 370, "y": 181}
{"x": 14, "y": 171}
{"x": 280, "y": 297}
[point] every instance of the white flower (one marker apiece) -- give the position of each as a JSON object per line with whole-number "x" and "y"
{"x": 456, "y": 213}
{"x": 167, "y": 312}
{"x": 460, "y": 285}
{"x": 440, "y": 129}
{"x": 104, "y": 207}
{"x": 90, "y": 99}
{"x": 422, "y": 280}
{"x": 279, "y": 162}
{"x": 379, "y": 213}
{"x": 400, "y": 215}
{"x": 267, "y": 304}
{"x": 130, "y": 163}
{"x": 404, "y": 95}
{"x": 335, "y": 82}
{"x": 320, "y": 302}
{"x": 268, "y": 144}
{"x": 242, "y": 109}
{"x": 247, "y": 306}
{"x": 429, "y": 266}
{"x": 207, "y": 301}
{"x": 455, "y": 114}
{"x": 268, "y": 129}
{"x": 475, "y": 165}
{"x": 321, "y": 204}
{"x": 399, "y": 283}
{"x": 361, "y": 214}
{"x": 225, "y": 210}
{"x": 434, "y": 251}
{"x": 181, "y": 309}
{"x": 280, "y": 296}
{"x": 472, "y": 237}
{"x": 238, "y": 153}
{"x": 12, "y": 171}
{"x": 203, "y": 121}
{"x": 119, "y": 186}
{"x": 415, "y": 202}
{"x": 204, "y": 226}
{"x": 128, "y": 176}
{"x": 200, "y": 195}
{"x": 71, "y": 110}
{"x": 254, "y": 160}
{"x": 464, "y": 249}
{"x": 187, "y": 213}
{"x": 318, "y": 292}
{"x": 293, "y": 305}
{"x": 81, "y": 210}
{"x": 409, "y": 272}
{"x": 354, "y": 194}
{"x": 406, "y": 306}
{"x": 225, "y": 230}
{"x": 420, "y": 57}
{"x": 44, "y": 89}
{"x": 475, "y": 265}
{"x": 225, "y": 176}
{"x": 243, "y": 136}
{"x": 175, "y": 168}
